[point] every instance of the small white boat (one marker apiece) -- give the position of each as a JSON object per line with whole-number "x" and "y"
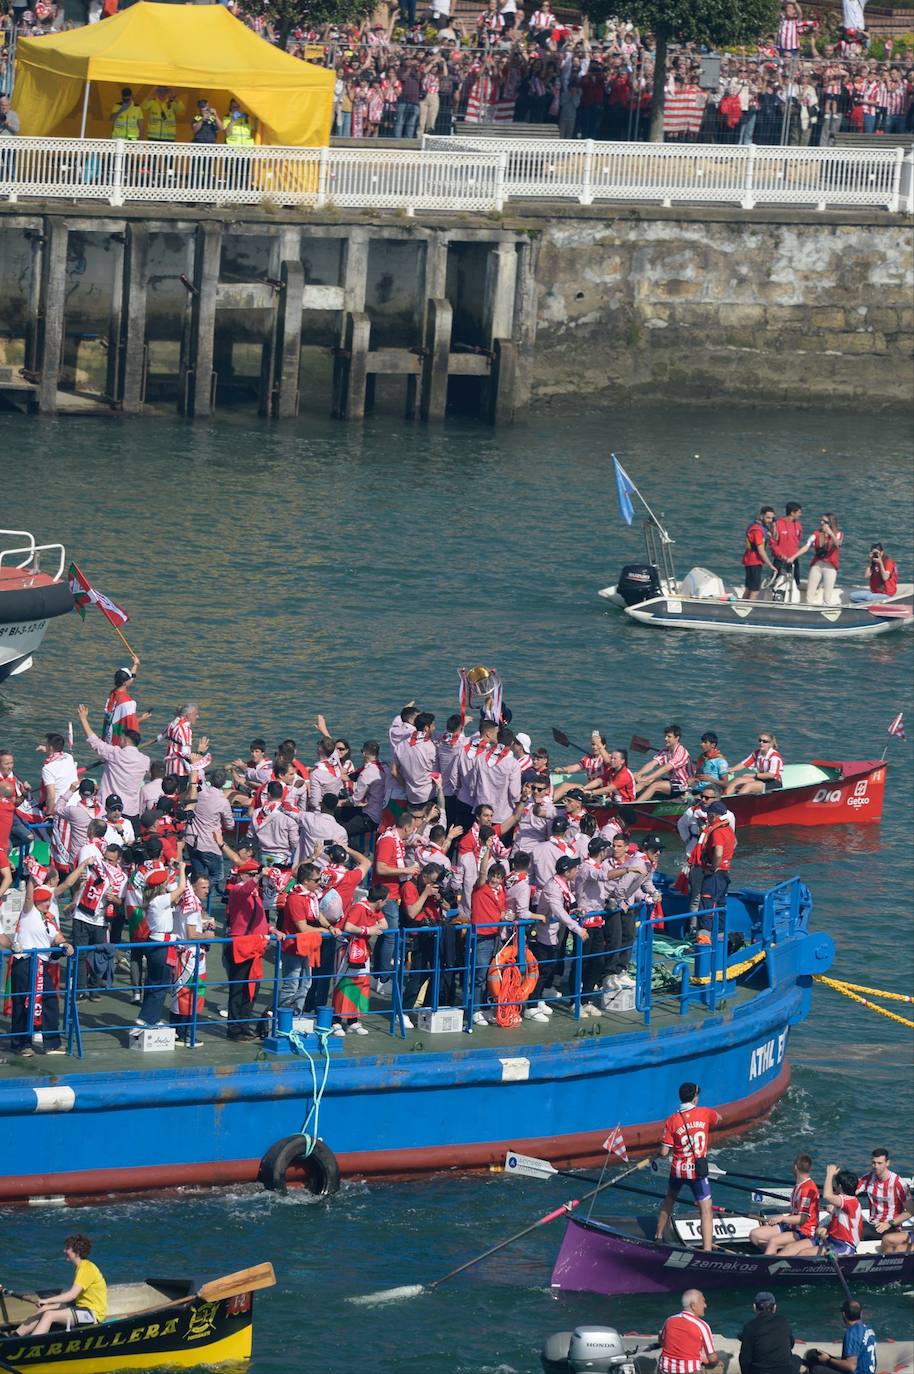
{"x": 29, "y": 597}
{"x": 650, "y": 592}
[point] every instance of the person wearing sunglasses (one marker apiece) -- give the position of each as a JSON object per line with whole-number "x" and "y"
{"x": 761, "y": 770}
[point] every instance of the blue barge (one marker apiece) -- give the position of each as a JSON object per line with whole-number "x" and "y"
{"x": 396, "y": 1107}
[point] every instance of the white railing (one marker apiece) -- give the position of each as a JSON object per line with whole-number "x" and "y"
{"x": 454, "y": 174}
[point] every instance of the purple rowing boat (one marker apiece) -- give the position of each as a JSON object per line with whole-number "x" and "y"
{"x": 597, "y": 1258}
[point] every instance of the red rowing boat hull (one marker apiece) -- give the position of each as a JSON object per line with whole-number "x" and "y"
{"x": 853, "y": 798}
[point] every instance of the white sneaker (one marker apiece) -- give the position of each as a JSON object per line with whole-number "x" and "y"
{"x": 594, "y": 1009}
{"x": 626, "y": 980}
{"x": 544, "y": 1007}
{"x": 479, "y": 1019}
{"x": 185, "y": 1044}
{"x": 223, "y": 1012}
{"x": 552, "y": 992}
{"x": 357, "y": 1029}
{"x": 611, "y": 982}
{"x": 337, "y": 1029}
{"x": 136, "y": 999}
{"x": 382, "y": 989}
{"x": 407, "y": 1022}
{"x": 532, "y": 1014}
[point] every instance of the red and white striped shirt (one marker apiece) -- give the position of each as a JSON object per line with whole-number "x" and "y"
{"x": 894, "y": 100}
{"x": 681, "y": 760}
{"x": 872, "y": 96}
{"x": 178, "y": 737}
{"x": 688, "y": 1133}
{"x": 686, "y": 1341}
{"x": 789, "y": 35}
{"x": 764, "y": 761}
{"x": 886, "y": 1195}
{"x": 847, "y": 1222}
{"x": 593, "y": 766}
{"x": 543, "y": 19}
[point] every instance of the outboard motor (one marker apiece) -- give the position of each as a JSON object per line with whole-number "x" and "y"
{"x": 638, "y": 582}
{"x": 597, "y": 1349}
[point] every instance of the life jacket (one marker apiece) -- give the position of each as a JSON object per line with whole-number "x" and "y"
{"x": 127, "y": 123}
{"x": 238, "y": 133}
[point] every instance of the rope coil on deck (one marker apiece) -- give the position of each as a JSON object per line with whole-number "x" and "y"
{"x": 846, "y": 990}
{"x": 733, "y": 970}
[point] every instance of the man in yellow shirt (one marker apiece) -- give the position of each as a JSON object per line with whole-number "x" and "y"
{"x": 84, "y": 1303}
{"x": 126, "y": 117}
{"x": 162, "y": 111}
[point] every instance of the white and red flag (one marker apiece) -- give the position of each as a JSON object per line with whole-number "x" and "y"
{"x": 897, "y": 726}
{"x": 84, "y": 594}
{"x": 615, "y": 1143}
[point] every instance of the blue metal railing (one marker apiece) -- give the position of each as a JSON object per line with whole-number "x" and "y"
{"x": 780, "y": 916}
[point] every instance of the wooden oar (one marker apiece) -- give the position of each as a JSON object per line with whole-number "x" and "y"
{"x": 412, "y": 1290}
{"x": 561, "y": 738}
{"x": 243, "y": 1281}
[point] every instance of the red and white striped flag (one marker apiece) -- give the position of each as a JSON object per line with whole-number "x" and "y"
{"x": 897, "y": 726}
{"x": 615, "y": 1143}
{"x": 84, "y": 594}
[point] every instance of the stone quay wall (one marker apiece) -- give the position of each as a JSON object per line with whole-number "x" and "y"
{"x": 760, "y": 307}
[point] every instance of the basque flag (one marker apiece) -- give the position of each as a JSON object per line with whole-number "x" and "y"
{"x": 84, "y": 594}
{"x": 897, "y": 726}
{"x": 615, "y": 1144}
{"x": 625, "y": 489}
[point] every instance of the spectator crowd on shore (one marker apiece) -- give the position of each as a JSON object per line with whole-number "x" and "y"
{"x": 426, "y": 75}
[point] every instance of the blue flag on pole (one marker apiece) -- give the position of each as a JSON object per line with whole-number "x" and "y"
{"x": 626, "y": 489}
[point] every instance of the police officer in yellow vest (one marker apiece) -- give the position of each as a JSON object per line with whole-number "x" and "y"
{"x": 126, "y": 117}
{"x": 239, "y": 127}
{"x": 162, "y": 111}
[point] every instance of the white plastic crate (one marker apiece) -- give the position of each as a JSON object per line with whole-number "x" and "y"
{"x": 303, "y": 1025}
{"x": 444, "y": 1021}
{"x": 623, "y": 1000}
{"x": 154, "y": 1040}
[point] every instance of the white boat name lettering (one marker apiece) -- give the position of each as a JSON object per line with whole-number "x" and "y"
{"x": 766, "y": 1056}
{"x": 823, "y": 795}
{"x": 858, "y": 801}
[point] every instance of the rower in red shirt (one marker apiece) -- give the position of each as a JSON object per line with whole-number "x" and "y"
{"x": 714, "y": 850}
{"x": 841, "y": 1232}
{"x": 686, "y": 1133}
{"x": 799, "y": 1222}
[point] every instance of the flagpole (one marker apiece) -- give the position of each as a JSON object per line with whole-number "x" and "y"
{"x": 121, "y": 637}
{"x": 666, "y": 538}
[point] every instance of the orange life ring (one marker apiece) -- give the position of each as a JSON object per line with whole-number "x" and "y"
{"x": 506, "y": 986}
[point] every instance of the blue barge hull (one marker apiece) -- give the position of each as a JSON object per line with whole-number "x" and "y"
{"x": 402, "y": 1113}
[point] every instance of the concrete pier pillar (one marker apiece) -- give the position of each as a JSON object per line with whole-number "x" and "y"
{"x": 196, "y": 389}
{"x": 284, "y": 345}
{"x": 501, "y": 282}
{"x": 51, "y": 312}
{"x": 502, "y": 381}
{"x": 350, "y": 368}
{"x": 435, "y": 360}
{"x": 355, "y": 270}
{"x": 127, "y": 326}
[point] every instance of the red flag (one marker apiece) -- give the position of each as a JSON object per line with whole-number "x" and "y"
{"x": 897, "y": 726}
{"x": 615, "y": 1143}
{"x": 84, "y": 594}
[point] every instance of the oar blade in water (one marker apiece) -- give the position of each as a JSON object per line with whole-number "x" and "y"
{"x": 408, "y": 1290}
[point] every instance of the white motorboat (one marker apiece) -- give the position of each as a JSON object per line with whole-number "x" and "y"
{"x": 29, "y": 597}
{"x": 650, "y": 592}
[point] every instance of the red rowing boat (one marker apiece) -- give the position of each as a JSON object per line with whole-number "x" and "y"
{"x": 824, "y": 792}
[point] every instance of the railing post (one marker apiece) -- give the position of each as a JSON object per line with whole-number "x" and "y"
{"x": 748, "y": 200}
{"x": 322, "y": 169}
{"x": 587, "y": 186}
{"x": 895, "y": 198}
{"x": 501, "y": 173}
{"x": 117, "y": 184}
{"x": 906, "y": 184}
{"x": 194, "y": 993}
{"x": 33, "y": 979}
{"x": 469, "y": 977}
{"x": 578, "y": 974}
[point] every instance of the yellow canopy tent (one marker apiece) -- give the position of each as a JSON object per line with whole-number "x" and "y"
{"x": 68, "y": 84}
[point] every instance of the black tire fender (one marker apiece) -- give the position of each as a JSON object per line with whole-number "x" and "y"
{"x": 320, "y": 1168}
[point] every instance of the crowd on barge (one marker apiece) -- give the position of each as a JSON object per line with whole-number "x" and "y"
{"x": 428, "y": 73}
{"x": 449, "y": 826}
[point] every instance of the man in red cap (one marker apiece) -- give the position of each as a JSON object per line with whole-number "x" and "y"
{"x": 247, "y": 927}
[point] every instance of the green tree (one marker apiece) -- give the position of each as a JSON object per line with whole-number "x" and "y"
{"x": 716, "y": 23}
{"x": 286, "y": 15}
